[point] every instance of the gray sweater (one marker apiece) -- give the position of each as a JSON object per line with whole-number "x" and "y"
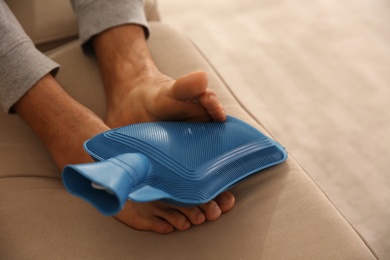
{"x": 22, "y": 65}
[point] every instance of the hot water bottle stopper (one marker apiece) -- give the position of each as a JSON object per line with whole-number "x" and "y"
{"x": 182, "y": 163}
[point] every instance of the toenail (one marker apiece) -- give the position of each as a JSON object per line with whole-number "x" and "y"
{"x": 213, "y": 98}
{"x": 194, "y": 101}
{"x": 200, "y": 217}
{"x": 216, "y": 212}
{"x": 168, "y": 229}
{"x": 224, "y": 200}
{"x": 187, "y": 225}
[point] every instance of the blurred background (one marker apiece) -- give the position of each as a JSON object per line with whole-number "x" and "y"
{"x": 316, "y": 73}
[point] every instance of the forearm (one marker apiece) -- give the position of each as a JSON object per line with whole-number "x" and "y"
{"x": 21, "y": 64}
{"x": 61, "y": 122}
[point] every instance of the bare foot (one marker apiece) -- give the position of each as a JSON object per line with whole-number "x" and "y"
{"x": 164, "y": 218}
{"x": 162, "y": 98}
{"x": 136, "y": 92}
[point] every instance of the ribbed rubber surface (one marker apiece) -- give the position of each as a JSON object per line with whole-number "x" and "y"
{"x": 193, "y": 162}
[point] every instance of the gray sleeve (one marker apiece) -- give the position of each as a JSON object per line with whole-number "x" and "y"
{"x": 96, "y": 16}
{"x": 21, "y": 64}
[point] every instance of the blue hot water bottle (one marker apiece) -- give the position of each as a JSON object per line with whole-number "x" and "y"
{"x": 183, "y": 163}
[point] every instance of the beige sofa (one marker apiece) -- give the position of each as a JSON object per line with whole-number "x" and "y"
{"x": 280, "y": 212}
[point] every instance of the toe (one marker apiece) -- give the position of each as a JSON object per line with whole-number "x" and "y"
{"x": 194, "y": 214}
{"x": 161, "y": 226}
{"x": 221, "y": 204}
{"x": 211, "y": 210}
{"x": 176, "y": 219}
{"x": 190, "y": 86}
{"x": 225, "y": 201}
{"x": 213, "y": 106}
